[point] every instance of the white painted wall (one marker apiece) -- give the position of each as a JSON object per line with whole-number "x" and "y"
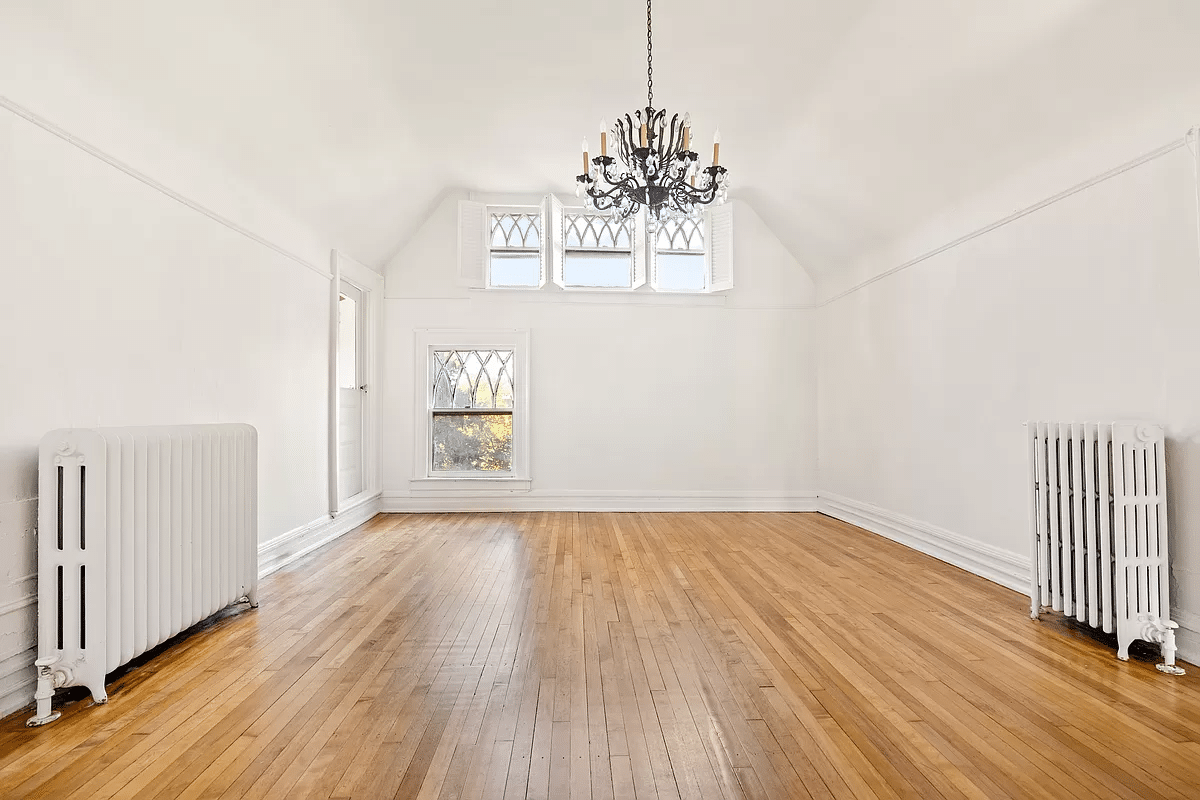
{"x": 1084, "y": 310}
{"x": 123, "y": 306}
{"x": 45, "y": 72}
{"x": 637, "y": 402}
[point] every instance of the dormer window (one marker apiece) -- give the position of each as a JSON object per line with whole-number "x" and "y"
{"x": 534, "y": 246}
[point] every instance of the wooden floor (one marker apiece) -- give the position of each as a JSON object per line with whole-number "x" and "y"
{"x": 572, "y": 655}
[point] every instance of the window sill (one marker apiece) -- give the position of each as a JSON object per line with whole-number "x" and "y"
{"x": 602, "y": 296}
{"x": 509, "y": 484}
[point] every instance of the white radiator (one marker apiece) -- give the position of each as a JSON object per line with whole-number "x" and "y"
{"x": 142, "y": 533}
{"x": 1098, "y": 515}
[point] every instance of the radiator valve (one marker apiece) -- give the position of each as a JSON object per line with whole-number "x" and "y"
{"x": 1163, "y": 633}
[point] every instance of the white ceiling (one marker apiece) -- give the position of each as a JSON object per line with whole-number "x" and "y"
{"x": 843, "y": 124}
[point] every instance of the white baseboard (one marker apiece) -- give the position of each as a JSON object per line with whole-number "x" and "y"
{"x": 17, "y": 679}
{"x": 999, "y": 566}
{"x": 1187, "y": 637}
{"x": 596, "y": 500}
{"x": 283, "y": 550}
{"x": 18, "y": 630}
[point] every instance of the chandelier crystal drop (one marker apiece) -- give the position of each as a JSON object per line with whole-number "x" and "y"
{"x": 658, "y": 170}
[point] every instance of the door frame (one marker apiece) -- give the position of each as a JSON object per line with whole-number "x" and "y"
{"x": 370, "y": 283}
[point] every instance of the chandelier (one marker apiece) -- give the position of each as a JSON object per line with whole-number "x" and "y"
{"x": 658, "y": 169}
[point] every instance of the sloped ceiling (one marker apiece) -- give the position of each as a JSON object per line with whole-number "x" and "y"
{"x": 843, "y": 123}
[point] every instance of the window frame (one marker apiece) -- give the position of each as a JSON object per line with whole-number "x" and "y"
{"x": 534, "y": 209}
{"x": 706, "y": 272}
{"x": 637, "y": 252}
{"x": 426, "y": 342}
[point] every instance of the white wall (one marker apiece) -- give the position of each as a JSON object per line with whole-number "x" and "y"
{"x": 637, "y": 402}
{"x": 123, "y": 306}
{"x": 1084, "y": 310}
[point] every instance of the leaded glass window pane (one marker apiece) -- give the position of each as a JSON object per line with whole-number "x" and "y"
{"x": 516, "y": 230}
{"x": 680, "y": 236}
{"x": 473, "y": 379}
{"x": 597, "y": 232}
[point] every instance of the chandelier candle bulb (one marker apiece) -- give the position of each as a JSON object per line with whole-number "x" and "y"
{"x": 585, "y": 156}
{"x": 716, "y": 147}
{"x": 603, "y": 138}
{"x": 643, "y": 134}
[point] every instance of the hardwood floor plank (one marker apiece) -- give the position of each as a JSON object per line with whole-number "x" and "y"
{"x": 540, "y": 757}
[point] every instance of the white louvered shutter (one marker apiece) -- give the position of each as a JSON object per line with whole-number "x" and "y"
{"x": 473, "y": 244}
{"x": 552, "y": 240}
{"x": 718, "y": 255}
{"x": 643, "y": 252}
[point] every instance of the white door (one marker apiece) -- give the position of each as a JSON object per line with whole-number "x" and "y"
{"x": 351, "y": 374}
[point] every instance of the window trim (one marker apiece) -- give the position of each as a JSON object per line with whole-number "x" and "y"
{"x": 426, "y": 341}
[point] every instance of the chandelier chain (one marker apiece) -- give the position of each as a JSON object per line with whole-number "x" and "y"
{"x": 649, "y": 58}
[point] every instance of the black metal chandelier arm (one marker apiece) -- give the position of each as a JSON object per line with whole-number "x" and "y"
{"x": 614, "y": 180}
{"x": 602, "y": 201}
{"x": 672, "y": 141}
{"x": 655, "y": 126}
{"x": 625, "y": 142}
{"x": 672, "y": 136}
{"x": 617, "y": 189}
{"x": 676, "y": 151}
{"x": 684, "y": 195}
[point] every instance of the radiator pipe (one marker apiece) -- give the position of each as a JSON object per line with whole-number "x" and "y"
{"x": 48, "y": 680}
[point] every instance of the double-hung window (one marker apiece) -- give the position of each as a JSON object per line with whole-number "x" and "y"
{"x": 515, "y": 248}
{"x": 473, "y": 403}
{"x": 598, "y": 251}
